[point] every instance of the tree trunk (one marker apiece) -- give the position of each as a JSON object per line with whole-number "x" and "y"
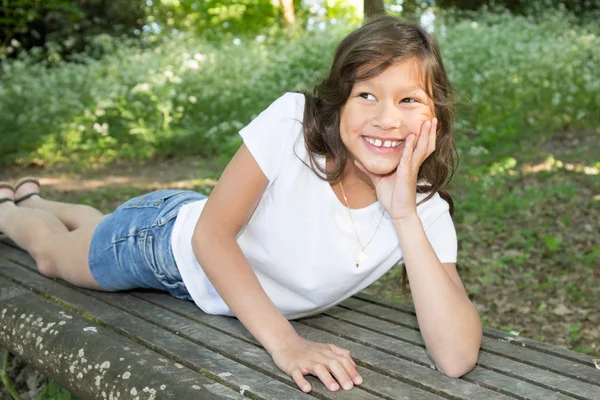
{"x": 373, "y": 7}
{"x": 286, "y": 10}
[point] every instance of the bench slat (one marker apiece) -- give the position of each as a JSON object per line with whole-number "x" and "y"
{"x": 168, "y": 344}
{"x": 549, "y": 380}
{"x": 380, "y": 383}
{"x": 87, "y": 358}
{"x": 243, "y": 350}
{"x": 479, "y": 375}
{"x": 515, "y": 349}
{"x": 383, "y": 362}
{"x": 383, "y": 338}
{"x": 490, "y": 332}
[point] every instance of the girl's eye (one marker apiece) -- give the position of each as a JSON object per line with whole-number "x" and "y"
{"x": 409, "y": 100}
{"x": 367, "y": 96}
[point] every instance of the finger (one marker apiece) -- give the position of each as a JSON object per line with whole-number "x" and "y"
{"x": 339, "y": 371}
{"x": 350, "y": 369}
{"x": 321, "y": 372}
{"x": 342, "y": 352}
{"x": 422, "y": 142}
{"x": 302, "y": 383}
{"x": 432, "y": 136}
{"x": 407, "y": 152}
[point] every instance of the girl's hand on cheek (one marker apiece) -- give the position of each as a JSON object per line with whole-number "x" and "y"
{"x": 397, "y": 192}
{"x": 332, "y": 365}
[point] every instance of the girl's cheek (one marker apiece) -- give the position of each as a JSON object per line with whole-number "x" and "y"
{"x": 419, "y": 125}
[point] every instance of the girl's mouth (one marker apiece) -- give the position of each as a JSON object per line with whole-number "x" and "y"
{"x": 383, "y": 145}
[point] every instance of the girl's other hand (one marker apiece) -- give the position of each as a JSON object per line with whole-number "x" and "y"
{"x": 397, "y": 192}
{"x": 332, "y": 365}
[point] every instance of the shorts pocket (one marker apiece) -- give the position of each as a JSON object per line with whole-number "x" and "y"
{"x": 167, "y": 275}
{"x": 150, "y": 200}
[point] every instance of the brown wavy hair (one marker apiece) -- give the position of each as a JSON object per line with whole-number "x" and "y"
{"x": 365, "y": 53}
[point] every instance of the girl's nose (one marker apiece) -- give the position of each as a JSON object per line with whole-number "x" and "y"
{"x": 387, "y": 117}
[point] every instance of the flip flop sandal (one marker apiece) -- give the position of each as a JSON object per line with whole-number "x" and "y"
{"x": 23, "y": 181}
{"x": 6, "y": 185}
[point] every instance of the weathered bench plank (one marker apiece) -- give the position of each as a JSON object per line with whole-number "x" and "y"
{"x": 361, "y": 300}
{"x": 169, "y": 345}
{"x": 581, "y": 367}
{"x": 392, "y": 367}
{"x": 553, "y": 381}
{"x": 481, "y": 375}
{"x": 88, "y": 358}
{"x": 226, "y": 360}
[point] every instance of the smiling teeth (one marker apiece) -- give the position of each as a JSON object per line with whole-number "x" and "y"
{"x": 379, "y": 143}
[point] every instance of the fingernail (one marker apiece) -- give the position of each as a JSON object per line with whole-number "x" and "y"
{"x": 358, "y": 380}
{"x": 306, "y": 388}
{"x": 348, "y": 386}
{"x": 334, "y": 387}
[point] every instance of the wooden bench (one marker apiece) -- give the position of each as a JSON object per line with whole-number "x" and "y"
{"x": 147, "y": 345}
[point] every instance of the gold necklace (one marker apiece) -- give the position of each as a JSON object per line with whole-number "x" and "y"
{"x": 362, "y": 256}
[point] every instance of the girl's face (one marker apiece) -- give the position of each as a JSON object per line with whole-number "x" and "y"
{"x": 380, "y": 114}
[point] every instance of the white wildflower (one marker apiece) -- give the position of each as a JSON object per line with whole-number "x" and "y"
{"x": 191, "y": 64}
{"x": 141, "y": 88}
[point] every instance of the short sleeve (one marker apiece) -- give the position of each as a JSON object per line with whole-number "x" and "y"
{"x": 270, "y": 136}
{"x": 442, "y": 236}
{"x": 439, "y": 227}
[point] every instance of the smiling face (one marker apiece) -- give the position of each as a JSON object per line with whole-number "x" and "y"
{"x": 381, "y": 112}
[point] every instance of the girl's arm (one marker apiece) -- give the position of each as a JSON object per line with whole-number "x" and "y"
{"x": 447, "y": 319}
{"x": 227, "y": 210}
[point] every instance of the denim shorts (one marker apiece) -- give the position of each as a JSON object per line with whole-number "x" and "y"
{"x": 131, "y": 248}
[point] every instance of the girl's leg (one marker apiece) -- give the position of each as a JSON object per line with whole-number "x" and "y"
{"x": 57, "y": 252}
{"x": 73, "y": 216}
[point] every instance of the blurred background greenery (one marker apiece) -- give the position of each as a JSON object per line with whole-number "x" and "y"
{"x": 92, "y": 81}
{"x": 90, "y": 84}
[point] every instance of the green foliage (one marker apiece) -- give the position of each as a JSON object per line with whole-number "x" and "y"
{"x": 519, "y": 76}
{"x": 185, "y": 95}
{"x": 63, "y": 27}
{"x": 516, "y": 78}
{"x": 53, "y": 391}
{"x": 213, "y": 17}
{"x": 523, "y": 6}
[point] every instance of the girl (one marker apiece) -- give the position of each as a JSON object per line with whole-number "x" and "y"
{"x": 327, "y": 193}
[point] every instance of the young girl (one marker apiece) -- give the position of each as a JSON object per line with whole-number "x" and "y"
{"x": 328, "y": 192}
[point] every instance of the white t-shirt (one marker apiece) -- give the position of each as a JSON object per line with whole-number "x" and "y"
{"x": 300, "y": 241}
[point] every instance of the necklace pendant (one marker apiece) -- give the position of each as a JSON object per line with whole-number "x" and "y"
{"x": 361, "y": 258}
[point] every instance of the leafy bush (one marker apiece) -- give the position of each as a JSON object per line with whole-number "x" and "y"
{"x": 64, "y": 27}
{"x": 521, "y": 76}
{"x": 516, "y": 76}
{"x": 183, "y": 96}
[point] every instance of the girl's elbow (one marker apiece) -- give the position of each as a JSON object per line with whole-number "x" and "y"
{"x": 458, "y": 367}
{"x": 200, "y": 241}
